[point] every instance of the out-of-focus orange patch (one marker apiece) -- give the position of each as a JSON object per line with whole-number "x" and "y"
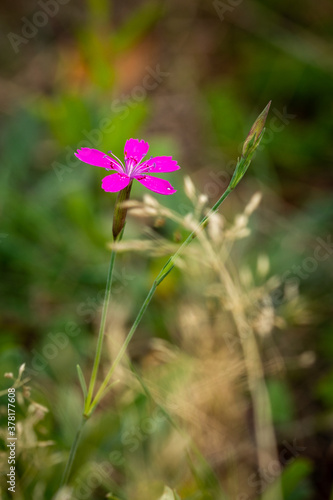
{"x": 130, "y": 66}
{"x": 73, "y": 70}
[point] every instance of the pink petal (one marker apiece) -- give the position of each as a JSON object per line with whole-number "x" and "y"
{"x": 115, "y": 182}
{"x": 160, "y": 164}
{"x": 97, "y": 158}
{"x": 155, "y": 184}
{"x": 136, "y": 149}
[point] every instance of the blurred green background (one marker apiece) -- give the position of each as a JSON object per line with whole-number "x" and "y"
{"x": 189, "y": 77}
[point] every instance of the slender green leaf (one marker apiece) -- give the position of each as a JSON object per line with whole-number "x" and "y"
{"x": 82, "y": 381}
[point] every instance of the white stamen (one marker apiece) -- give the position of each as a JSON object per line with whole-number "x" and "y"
{"x": 116, "y": 157}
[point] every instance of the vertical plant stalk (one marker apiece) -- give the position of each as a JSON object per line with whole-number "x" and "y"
{"x": 72, "y": 453}
{"x": 263, "y": 424}
{"x": 119, "y": 220}
{"x": 101, "y": 332}
{"x": 97, "y": 359}
{"x": 104, "y": 386}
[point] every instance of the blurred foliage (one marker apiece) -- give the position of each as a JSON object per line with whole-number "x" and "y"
{"x": 190, "y": 78}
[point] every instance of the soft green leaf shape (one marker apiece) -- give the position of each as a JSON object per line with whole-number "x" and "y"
{"x": 82, "y": 380}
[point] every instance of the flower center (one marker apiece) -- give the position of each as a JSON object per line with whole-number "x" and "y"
{"x": 131, "y": 164}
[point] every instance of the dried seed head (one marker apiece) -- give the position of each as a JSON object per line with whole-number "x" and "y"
{"x": 215, "y": 227}
{"x": 307, "y": 359}
{"x": 139, "y": 212}
{"x": 202, "y": 200}
{"x": 241, "y": 221}
{"x": 189, "y": 188}
{"x": 253, "y": 203}
{"x": 150, "y": 201}
{"x": 21, "y": 370}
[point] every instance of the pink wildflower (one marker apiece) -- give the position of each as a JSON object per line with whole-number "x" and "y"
{"x": 135, "y": 151}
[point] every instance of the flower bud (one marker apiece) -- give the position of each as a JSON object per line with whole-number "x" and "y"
{"x": 254, "y": 136}
{"x": 120, "y": 212}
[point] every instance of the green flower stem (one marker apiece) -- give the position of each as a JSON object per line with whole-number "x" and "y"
{"x": 101, "y": 333}
{"x": 122, "y": 351}
{"x": 171, "y": 262}
{"x": 97, "y": 359}
{"x": 119, "y": 219}
{"x": 72, "y": 453}
{"x": 88, "y": 398}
